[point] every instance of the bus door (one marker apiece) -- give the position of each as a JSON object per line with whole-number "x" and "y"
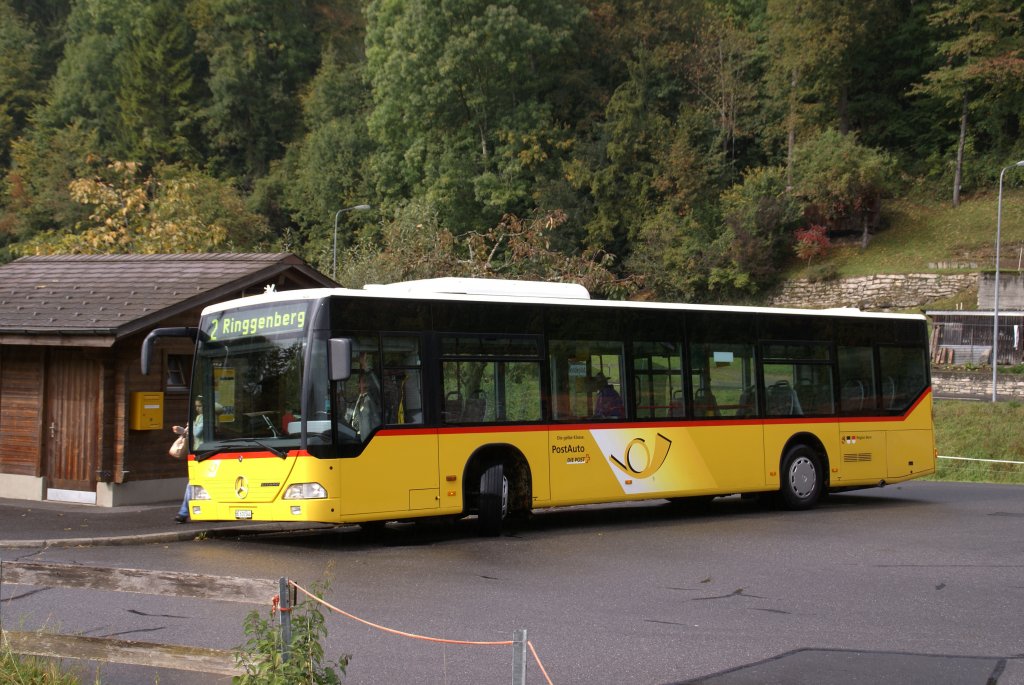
{"x": 393, "y": 468}
{"x": 727, "y": 435}
{"x": 862, "y": 442}
{"x": 491, "y": 405}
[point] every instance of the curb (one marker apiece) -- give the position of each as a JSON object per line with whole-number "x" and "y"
{"x": 178, "y": 536}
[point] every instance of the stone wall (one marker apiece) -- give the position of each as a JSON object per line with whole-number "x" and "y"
{"x": 896, "y": 291}
{"x": 976, "y": 384}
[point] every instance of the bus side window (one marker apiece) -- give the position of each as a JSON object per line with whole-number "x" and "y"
{"x": 658, "y": 374}
{"x": 903, "y": 372}
{"x": 723, "y": 380}
{"x": 856, "y": 379}
{"x": 587, "y": 379}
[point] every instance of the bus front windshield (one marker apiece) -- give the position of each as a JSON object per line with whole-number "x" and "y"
{"x": 247, "y": 387}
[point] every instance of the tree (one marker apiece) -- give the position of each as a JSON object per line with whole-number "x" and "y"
{"x": 416, "y": 245}
{"x": 85, "y": 87}
{"x": 984, "y": 62}
{"x": 260, "y": 53}
{"x": 723, "y": 72}
{"x": 842, "y": 181}
{"x": 812, "y": 46}
{"x": 156, "y": 93}
{"x": 325, "y": 169}
{"x": 35, "y": 192}
{"x": 758, "y": 216}
{"x": 463, "y": 112}
{"x": 19, "y": 85}
{"x": 178, "y": 211}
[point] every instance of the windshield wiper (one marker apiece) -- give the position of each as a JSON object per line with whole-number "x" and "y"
{"x": 244, "y": 442}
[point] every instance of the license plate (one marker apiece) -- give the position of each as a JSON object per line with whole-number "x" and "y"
{"x": 243, "y": 513}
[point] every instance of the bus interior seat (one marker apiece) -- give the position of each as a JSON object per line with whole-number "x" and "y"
{"x": 748, "y": 402}
{"x": 476, "y": 405}
{"x": 782, "y": 400}
{"x": 853, "y": 395}
{"x": 888, "y": 392}
{"x": 815, "y": 398}
{"x": 453, "y": 406}
{"x": 677, "y": 406}
{"x": 705, "y": 404}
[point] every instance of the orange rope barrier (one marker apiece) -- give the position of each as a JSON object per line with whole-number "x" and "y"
{"x": 392, "y": 630}
{"x": 414, "y": 636}
{"x": 539, "y": 664}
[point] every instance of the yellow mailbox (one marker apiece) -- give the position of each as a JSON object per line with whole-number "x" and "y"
{"x": 147, "y": 411}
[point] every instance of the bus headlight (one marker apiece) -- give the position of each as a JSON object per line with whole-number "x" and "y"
{"x": 305, "y": 491}
{"x": 198, "y": 492}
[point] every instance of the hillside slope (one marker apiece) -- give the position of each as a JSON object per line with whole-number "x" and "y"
{"x": 928, "y": 235}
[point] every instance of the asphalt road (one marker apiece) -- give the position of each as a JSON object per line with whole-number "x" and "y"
{"x": 919, "y": 583}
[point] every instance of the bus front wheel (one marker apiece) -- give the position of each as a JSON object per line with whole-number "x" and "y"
{"x": 493, "y": 505}
{"x": 802, "y": 478}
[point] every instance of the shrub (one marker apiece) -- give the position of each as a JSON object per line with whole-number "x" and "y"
{"x": 811, "y": 242}
{"x": 261, "y": 655}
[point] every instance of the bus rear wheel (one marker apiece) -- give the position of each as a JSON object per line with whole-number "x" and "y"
{"x": 493, "y": 505}
{"x": 802, "y": 478}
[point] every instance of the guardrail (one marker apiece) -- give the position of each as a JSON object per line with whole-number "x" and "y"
{"x": 164, "y": 583}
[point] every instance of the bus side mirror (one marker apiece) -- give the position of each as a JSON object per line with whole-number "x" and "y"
{"x": 339, "y": 358}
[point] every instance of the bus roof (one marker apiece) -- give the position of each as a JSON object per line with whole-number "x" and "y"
{"x": 495, "y": 290}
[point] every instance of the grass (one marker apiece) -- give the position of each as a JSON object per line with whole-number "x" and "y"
{"x": 980, "y": 430}
{"x": 22, "y": 670}
{"x": 928, "y": 235}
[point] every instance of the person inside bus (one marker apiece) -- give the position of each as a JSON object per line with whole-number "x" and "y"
{"x": 609, "y": 403}
{"x": 287, "y": 418}
{"x": 366, "y": 410}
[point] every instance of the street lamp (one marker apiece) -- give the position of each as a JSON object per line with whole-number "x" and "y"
{"x": 995, "y": 301}
{"x": 357, "y": 208}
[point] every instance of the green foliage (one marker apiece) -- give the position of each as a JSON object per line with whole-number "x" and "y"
{"x": 632, "y": 121}
{"x": 84, "y": 90}
{"x": 674, "y": 257}
{"x": 260, "y": 55}
{"x": 174, "y": 211}
{"x": 466, "y": 119}
{"x": 759, "y": 214}
{"x": 415, "y": 246}
{"x": 325, "y": 170}
{"x": 841, "y": 180}
{"x": 19, "y": 84}
{"x": 156, "y": 90}
{"x": 261, "y": 655}
{"x": 35, "y": 193}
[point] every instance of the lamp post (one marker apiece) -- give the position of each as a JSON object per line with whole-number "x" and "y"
{"x": 995, "y": 300}
{"x": 334, "y": 260}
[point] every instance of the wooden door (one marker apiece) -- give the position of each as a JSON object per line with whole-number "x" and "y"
{"x": 72, "y": 430}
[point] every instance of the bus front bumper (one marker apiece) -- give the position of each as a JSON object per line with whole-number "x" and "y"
{"x": 319, "y": 510}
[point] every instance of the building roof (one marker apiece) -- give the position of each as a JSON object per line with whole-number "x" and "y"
{"x": 108, "y": 297}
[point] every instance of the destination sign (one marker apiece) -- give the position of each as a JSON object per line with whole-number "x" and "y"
{"x": 286, "y": 317}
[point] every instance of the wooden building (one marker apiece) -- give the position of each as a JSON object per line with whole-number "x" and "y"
{"x": 78, "y": 420}
{"x": 965, "y": 337}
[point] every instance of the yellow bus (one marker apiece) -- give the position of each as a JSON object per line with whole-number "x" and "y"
{"x": 457, "y": 397}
